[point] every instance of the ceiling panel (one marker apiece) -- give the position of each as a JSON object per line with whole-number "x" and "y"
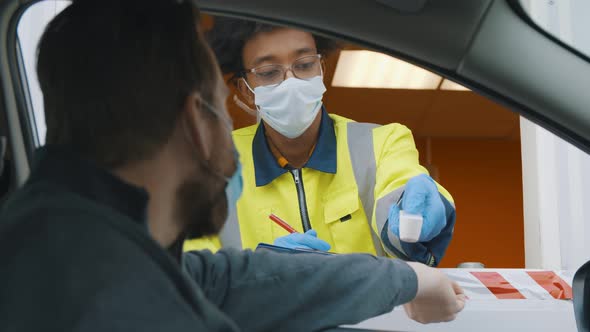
{"x": 428, "y": 113}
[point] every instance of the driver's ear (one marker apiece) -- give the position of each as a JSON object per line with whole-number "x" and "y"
{"x": 196, "y": 130}
{"x": 244, "y": 90}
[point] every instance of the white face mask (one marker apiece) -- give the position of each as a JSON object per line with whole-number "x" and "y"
{"x": 291, "y": 107}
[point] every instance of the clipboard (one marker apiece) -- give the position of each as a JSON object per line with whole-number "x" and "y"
{"x": 265, "y": 246}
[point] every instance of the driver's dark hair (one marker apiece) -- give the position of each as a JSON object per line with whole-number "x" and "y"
{"x": 115, "y": 75}
{"x": 228, "y": 36}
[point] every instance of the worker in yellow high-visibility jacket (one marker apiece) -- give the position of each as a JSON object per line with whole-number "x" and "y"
{"x": 339, "y": 183}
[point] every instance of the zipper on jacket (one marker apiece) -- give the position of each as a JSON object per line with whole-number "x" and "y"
{"x": 298, "y": 178}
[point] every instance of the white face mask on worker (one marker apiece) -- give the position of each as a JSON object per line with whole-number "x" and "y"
{"x": 290, "y": 107}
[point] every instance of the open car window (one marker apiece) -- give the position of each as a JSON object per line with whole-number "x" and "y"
{"x": 466, "y": 141}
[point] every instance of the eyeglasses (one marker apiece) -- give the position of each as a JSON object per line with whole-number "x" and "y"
{"x": 304, "y": 68}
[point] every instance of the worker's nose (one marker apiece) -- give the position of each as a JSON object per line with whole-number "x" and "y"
{"x": 289, "y": 74}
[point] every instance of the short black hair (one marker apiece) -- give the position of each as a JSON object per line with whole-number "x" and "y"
{"x": 115, "y": 75}
{"x": 228, "y": 36}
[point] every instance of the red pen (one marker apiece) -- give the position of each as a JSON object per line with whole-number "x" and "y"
{"x": 282, "y": 223}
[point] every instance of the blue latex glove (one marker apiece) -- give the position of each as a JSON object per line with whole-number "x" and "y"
{"x": 309, "y": 240}
{"x": 421, "y": 197}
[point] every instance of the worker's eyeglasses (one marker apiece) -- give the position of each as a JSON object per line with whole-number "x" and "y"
{"x": 304, "y": 68}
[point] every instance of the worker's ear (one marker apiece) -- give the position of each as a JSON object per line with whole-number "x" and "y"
{"x": 197, "y": 127}
{"x": 245, "y": 91}
{"x": 323, "y": 67}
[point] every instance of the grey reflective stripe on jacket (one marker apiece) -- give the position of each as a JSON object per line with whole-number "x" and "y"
{"x": 381, "y": 215}
{"x": 230, "y": 236}
{"x": 364, "y": 165}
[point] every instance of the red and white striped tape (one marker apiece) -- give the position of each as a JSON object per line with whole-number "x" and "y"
{"x": 512, "y": 284}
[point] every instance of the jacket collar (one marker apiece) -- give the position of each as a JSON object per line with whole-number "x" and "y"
{"x": 323, "y": 158}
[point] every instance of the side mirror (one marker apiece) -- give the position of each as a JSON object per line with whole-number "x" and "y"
{"x": 581, "y": 293}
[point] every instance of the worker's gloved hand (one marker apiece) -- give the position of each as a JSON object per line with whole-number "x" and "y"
{"x": 308, "y": 240}
{"x": 421, "y": 197}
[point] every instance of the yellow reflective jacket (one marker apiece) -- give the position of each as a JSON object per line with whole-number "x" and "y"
{"x": 355, "y": 173}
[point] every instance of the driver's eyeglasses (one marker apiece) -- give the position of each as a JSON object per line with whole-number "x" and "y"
{"x": 304, "y": 68}
{"x": 227, "y": 121}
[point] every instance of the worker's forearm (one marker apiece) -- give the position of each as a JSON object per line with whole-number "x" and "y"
{"x": 432, "y": 252}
